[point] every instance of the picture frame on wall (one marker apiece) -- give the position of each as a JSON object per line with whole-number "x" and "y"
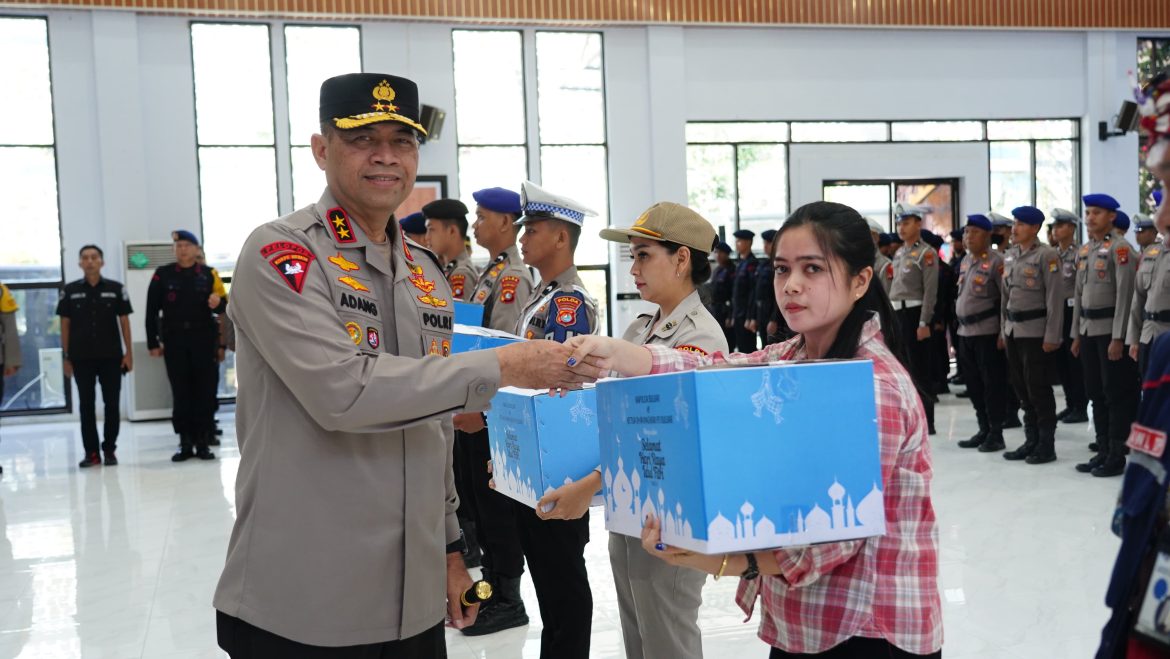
{"x": 426, "y": 190}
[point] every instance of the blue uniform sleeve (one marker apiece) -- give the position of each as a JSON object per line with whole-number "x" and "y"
{"x": 568, "y": 316}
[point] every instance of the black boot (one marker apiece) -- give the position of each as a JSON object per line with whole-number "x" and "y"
{"x": 976, "y": 440}
{"x": 186, "y": 449}
{"x": 994, "y": 442}
{"x": 1114, "y": 465}
{"x": 1031, "y": 439}
{"x": 201, "y": 450}
{"x": 1093, "y": 463}
{"x": 506, "y": 612}
{"x": 1075, "y": 416}
{"x": 1045, "y": 451}
{"x": 1013, "y": 421}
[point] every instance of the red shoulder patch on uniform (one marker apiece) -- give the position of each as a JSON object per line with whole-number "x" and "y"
{"x": 928, "y": 258}
{"x": 291, "y": 260}
{"x": 889, "y": 271}
{"x": 508, "y": 289}
{"x": 1123, "y": 255}
{"x": 567, "y": 306}
{"x": 339, "y": 224}
{"x": 457, "y": 283}
{"x": 690, "y": 348}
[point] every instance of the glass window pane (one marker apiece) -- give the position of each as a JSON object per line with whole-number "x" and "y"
{"x": 313, "y": 54}
{"x": 233, "y": 85}
{"x": 489, "y": 167}
{"x": 937, "y": 131}
{"x": 308, "y": 180}
{"x": 580, "y": 173}
{"x": 869, "y": 200}
{"x": 763, "y": 186}
{"x": 739, "y": 131}
{"x": 1036, "y": 130}
{"x": 711, "y": 183}
{"x": 489, "y": 87}
{"x": 237, "y": 193}
{"x": 39, "y": 329}
{"x": 839, "y": 131}
{"x": 939, "y": 197}
{"x": 29, "y": 121}
{"x": 571, "y": 99}
{"x": 1011, "y": 176}
{"x": 30, "y": 249}
{"x": 595, "y": 282}
{"x": 1055, "y": 175}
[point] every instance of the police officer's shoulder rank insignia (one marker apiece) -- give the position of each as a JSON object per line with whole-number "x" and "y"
{"x": 291, "y": 260}
{"x": 508, "y": 289}
{"x": 690, "y": 348}
{"x": 339, "y": 224}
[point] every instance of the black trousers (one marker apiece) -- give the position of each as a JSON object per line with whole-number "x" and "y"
{"x": 1029, "y": 370}
{"x": 1072, "y": 374}
{"x": 940, "y": 362}
{"x": 191, "y": 368}
{"x": 745, "y": 340}
{"x": 244, "y": 641}
{"x": 492, "y": 512}
{"x": 984, "y": 369}
{"x": 555, "y": 550}
{"x": 89, "y": 373}
{"x": 1143, "y": 359}
{"x": 1114, "y": 387}
{"x": 858, "y": 647}
{"x": 920, "y": 355}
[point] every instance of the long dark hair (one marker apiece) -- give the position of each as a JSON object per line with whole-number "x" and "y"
{"x": 841, "y": 232}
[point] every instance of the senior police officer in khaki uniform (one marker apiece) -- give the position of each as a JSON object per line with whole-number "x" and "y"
{"x": 1106, "y": 267}
{"x": 446, "y": 222}
{"x": 1150, "y": 313}
{"x": 913, "y": 293}
{"x": 346, "y": 542}
{"x": 1033, "y": 307}
{"x": 659, "y": 602}
{"x": 1072, "y": 377}
{"x": 978, "y": 312}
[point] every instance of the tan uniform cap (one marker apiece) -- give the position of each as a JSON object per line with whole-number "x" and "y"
{"x": 668, "y": 222}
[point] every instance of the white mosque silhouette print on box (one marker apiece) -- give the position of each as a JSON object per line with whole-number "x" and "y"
{"x": 798, "y": 479}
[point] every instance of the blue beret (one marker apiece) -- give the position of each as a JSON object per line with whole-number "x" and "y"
{"x": 183, "y": 234}
{"x": 414, "y": 223}
{"x": 884, "y": 240}
{"x": 931, "y": 238}
{"x": 1101, "y": 201}
{"x": 723, "y": 247}
{"x": 1121, "y": 221}
{"x": 1157, "y": 195}
{"x": 769, "y": 235}
{"x": 1028, "y": 215}
{"x": 744, "y": 234}
{"x": 979, "y": 221}
{"x": 957, "y": 234}
{"x": 499, "y": 200}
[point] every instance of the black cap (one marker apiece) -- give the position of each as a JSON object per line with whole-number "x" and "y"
{"x": 957, "y": 234}
{"x": 354, "y": 100}
{"x": 768, "y": 235}
{"x": 445, "y": 209}
{"x": 932, "y": 239}
{"x": 744, "y": 234}
{"x": 414, "y": 223}
{"x": 722, "y": 247}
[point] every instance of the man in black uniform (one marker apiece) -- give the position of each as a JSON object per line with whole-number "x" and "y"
{"x": 722, "y": 285}
{"x": 187, "y": 340}
{"x": 741, "y": 294}
{"x": 92, "y": 311}
{"x": 958, "y": 251}
{"x": 764, "y": 316}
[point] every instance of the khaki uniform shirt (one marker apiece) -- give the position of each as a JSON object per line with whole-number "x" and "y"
{"x": 1151, "y": 294}
{"x": 916, "y": 277}
{"x": 502, "y": 289}
{"x": 462, "y": 276}
{"x": 689, "y": 327}
{"x": 1068, "y": 275}
{"x": 980, "y": 289}
{"x": 345, "y": 496}
{"x": 1105, "y": 274}
{"x": 883, "y": 269}
{"x": 9, "y": 337}
{"x": 1031, "y": 282}
{"x": 559, "y": 311}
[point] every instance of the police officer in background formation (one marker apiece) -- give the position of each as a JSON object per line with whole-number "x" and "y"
{"x": 958, "y": 251}
{"x": 95, "y": 332}
{"x": 1150, "y": 313}
{"x": 446, "y": 224}
{"x": 883, "y": 267}
{"x": 1144, "y": 231}
{"x": 554, "y": 539}
{"x": 765, "y": 318}
{"x": 502, "y": 288}
{"x": 742, "y": 288}
{"x": 415, "y": 227}
{"x": 1106, "y": 266}
{"x": 978, "y": 312}
{"x": 1001, "y": 231}
{"x": 187, "y": 339}
{"x": 944, "y": 312}
{"x": 913, "y": 294}
{"x": 9, "y": 339}
{"x": 722, "y": 285}
{"x": 889, "y": 244}
{"x": 1033, "y": 308}
{"x": 346, "y": 542}
{"x": 1072, "y": 377}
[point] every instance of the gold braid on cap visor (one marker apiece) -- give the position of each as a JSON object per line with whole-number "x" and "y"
{"x": 648, "y": 232}
{"x": 359, "y": 120}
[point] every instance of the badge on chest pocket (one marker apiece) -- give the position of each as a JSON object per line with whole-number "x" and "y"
{"x": 1153, "y": 620}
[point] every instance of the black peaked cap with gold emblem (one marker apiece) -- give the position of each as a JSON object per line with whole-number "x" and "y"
{"x": 354, "y": 100}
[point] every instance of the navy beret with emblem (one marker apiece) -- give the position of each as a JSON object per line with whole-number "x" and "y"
{"x": 414, "y": 223}
{"x": 354, "y": 100}
{"x": 744, "y": 234}
{"x": 445, "y": 209}
{"x": 498, "y": 200}
{"x": 1028, "y": 215}
{"x": 183, "y": 234}
{"x": 1101, "y": 201}
{"x": 979, "y": 221}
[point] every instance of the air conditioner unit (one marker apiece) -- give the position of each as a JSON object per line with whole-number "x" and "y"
{"x": 148, "y": 391}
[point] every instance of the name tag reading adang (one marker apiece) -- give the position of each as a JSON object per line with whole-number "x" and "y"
{"x": 1147, "y": 440}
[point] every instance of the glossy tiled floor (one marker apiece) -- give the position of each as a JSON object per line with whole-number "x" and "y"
{"x": 122, "y": 561}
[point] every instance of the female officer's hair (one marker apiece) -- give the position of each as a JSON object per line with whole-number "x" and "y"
{"x": 700, "y": 266}
{"x": 841, "y": 232}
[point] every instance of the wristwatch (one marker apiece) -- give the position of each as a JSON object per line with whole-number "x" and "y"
{"x": 753, "y": 568}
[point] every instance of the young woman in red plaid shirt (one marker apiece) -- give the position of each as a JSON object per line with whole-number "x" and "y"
{"x": 871, "y": 598}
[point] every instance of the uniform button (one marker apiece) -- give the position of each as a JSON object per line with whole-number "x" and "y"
{"x": 481, "y": 389}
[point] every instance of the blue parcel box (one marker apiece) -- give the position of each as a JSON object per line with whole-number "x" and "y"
{"x": 540, "y": 442}
{"x": 742, "y": 458}
{"x": 467, "y": 338}
{"x": 467, "y": 313}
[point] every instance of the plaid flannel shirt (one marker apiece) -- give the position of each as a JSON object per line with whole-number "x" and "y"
{"x": 884, "y": 587}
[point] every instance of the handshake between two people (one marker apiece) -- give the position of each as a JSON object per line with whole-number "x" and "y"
{"x": 562, "y": 367}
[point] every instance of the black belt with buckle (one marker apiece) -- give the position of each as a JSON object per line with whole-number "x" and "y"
{"x": 1021, "y": 316}
{"x": 976, "y": 317}
{"x": 1097, "y": 314}
{"x": 1157, "y": 316}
